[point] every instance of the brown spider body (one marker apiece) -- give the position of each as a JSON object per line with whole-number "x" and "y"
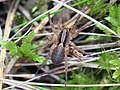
{"x": 58, "y": 55}
{"x": 62, "y": 44}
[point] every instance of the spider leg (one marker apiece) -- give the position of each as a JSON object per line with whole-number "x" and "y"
{"x": 47, "y": 42}
{"x": 50, "y": 37}
{"x": 76, "y": 22}
{"x": 66, "y": 66}
{"x": 51, "y": 23}
{"x": 75, "y": 32}
{"x": 42, "y": 64}
{"x": 52, "y": 48}
{"x": 66, "y": 73}
{"x": 60, "y": 21}
{"x": 74, "y": 51}
{"x": 49, "y": 54}
{"x": 44, "y": 45}
{"x": 78, "y": 17}
{"x": 72, "y": 44}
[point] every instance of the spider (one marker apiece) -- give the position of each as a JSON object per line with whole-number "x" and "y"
{"x": 62, "y": 44}
{"x": 62, "y": 40}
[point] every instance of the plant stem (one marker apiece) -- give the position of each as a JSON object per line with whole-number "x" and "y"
{"x": 8, "y": 25}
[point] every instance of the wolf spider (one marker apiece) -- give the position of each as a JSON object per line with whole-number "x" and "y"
{"x": 62, "y": 44}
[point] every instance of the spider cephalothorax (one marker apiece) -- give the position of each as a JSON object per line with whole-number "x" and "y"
{"x": 62, "y": 44}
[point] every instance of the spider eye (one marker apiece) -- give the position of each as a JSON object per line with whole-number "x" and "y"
{"x": 75, "y": 51}
{"x": 71, "y": 49}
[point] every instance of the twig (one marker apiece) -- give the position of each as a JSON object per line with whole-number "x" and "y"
{"x": 96, "y": 34}
{"x": 1, "y": 34}
{"x": 17, "y": 84}
{"x": 27, "y": 81}
{"x": 10, "y": 65}
{"x": 70, "y": 85}
{"x": 74, "y": 85}
{"x": 105, "y": 51}
{"x": 81, "y": 33}
{"x": 8, "y": 25}
{"x": 97, "y": 46}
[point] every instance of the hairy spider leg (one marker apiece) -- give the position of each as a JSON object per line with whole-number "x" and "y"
{"x": 43, "y": 63}
{"x": 66, "y": 73}
{"x": 60, "y": 21}
{"x": 51, "y": 23}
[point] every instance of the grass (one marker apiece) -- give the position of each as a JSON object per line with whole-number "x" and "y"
{"x": 99, "y": 70}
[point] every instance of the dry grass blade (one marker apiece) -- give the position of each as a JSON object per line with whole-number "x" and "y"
{"x": 8, "y": 25}
{"x": 17, "y": 84}
{"x": 74, "y": 85}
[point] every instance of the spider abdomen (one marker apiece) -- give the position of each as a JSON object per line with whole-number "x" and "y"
{"x": 58, "y": 54}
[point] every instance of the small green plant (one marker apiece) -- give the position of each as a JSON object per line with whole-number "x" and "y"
{"x": 110, "y": 60}
{"x": 80, "y": 78}
{"x": 104, "y": 59}
{"x": 114, "y": 17}
{"x": 41, "y": 6}
{"x": 97, "y": 7}
{"x": 116, "y": 64}
{"x": 25, "y": 50}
